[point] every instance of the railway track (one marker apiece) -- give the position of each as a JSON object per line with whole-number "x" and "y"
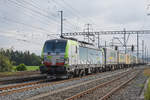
{"x": 26, "y": 86}
{"x": 99, "y": 90}
{"x": 65, "y": 93}
{"x": 32, "y": 85}
{"x": 21, "y": 79}
{"x": 105, "y": 97}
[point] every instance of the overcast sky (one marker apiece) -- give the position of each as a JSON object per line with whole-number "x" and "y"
{"x": 26, "y": 24}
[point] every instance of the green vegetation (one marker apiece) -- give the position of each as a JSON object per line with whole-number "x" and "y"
{"x": 147, "y": 72}
{"x": 12, "y": 61}
{"x": 29, "y": 68}
{"x": 32, "y": 68}
{"x": 21, "y": 67}
{"x": 141, "y": 85}
{"x": 18, "y": 57}
{"x": 147, "y": 93}
{"x": 5, "y": 63}
{"x": 16, "y": 73}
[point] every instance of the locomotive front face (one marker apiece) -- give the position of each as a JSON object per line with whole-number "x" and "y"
{"x": 54, "y": 53}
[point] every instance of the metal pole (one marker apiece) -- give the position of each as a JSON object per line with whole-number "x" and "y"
{"x": 98, "y": 41}
{"x": 137, "y": 45}
{"x": 147, "y": 57}
{"x": 105, "y": 44}
{"x": 145, "y": 54}
{"x": 61, "y": 12}
{"x": 88, "y": 29}
{"x": 143, "y": 51}
{"x": 125, "y": 40}
{"x": 112, "y": 43}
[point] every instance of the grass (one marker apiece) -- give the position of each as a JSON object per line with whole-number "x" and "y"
{"x": 141, "y": 85}
{"x": 29, "y": 68}
{"x": 32, "y": 68}
{"x": 147, "y": 72}
{"x": 14, "y": 72}
{"x": 147, "y": 93}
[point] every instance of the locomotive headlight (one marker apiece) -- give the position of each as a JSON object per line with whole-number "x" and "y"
{"x": 47, "y": 59}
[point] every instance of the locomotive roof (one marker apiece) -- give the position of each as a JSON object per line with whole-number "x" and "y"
{"x": 81, "y": 43}
{"x": 66, "y": 38}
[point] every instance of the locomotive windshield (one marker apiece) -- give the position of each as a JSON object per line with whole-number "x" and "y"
{"x": 55, "y": 46}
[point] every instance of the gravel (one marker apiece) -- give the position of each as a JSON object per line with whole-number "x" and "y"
{"x": 30, "y": 93}
{"x": 100, "y": 92}
{"x": 132, "y": 90}
{"x": 70, "y": 92}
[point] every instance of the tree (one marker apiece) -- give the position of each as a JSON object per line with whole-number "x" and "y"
{"x": 5, "y": 63}
{"x": 18, "y": 57}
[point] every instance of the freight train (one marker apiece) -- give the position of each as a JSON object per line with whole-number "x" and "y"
{"x": 66, "y": 58}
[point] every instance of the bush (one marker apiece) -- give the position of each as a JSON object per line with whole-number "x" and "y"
{"x": 5, "y": 64}
{"x": 21, "y": 67}
{"x": 147, "y": 93}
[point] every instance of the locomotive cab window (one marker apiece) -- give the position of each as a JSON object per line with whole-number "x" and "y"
{"x": 55, "y": 46}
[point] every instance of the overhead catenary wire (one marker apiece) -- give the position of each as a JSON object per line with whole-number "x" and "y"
{"x": 39, "y": 9}
{"x": 30, "y": 14}
{"x": 18, "y": 39}
{"x": 67, "y": 10}
{"x": 69, "y": 23}
{"x": 47, "y": 24}
{"x": 24, "y": 34}
{"x": 33, "y": 10}
{"x": 31, "y": 26}
{"x": 22, "y": 38}
{"x": 46, "y": 33}
{"x": 78, "y": 13}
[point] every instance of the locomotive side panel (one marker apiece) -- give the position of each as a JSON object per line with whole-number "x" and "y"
{"x": 73, "y": 52}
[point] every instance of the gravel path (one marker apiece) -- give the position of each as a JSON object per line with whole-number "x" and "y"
{"x": 100, "y": 92}
{"x": 132, "y": 90}
{"x": 30, "y": 93}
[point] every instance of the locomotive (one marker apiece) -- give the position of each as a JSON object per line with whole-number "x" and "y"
{"x": 66, "y": 58}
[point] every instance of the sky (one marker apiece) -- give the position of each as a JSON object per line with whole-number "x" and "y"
{"x": 27, "y": 24}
